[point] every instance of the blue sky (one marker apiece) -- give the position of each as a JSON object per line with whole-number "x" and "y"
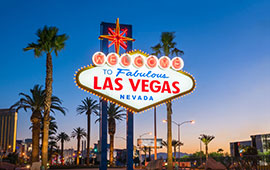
{"x": 226, "y": 45}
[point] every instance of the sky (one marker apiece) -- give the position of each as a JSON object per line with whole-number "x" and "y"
{"x": 226, "y": 46}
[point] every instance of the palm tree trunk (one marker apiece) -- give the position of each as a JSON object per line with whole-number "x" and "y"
{"x": 47, "y": 108}
{"x": 78, "y": 152}
{"x": 35, "y": 143}
{"x": 169, "y": 136}
{"x": 111, "y": 149}
{"x": 88, "y": 137}
{"x": 174, "y": 149}
{"x": 145, "y": 157}
{"x": 51, "y": 152}
{"x": 62, "y": 151}
{"x": 206, "y": 151}
{"x": 149, "y": 154}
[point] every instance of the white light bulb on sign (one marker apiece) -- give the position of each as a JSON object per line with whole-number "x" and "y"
{"x": 164, "y": 62}
{"x": 99, "y": 59}
{"x": 138, "y": 61}
{"x": 151, "y": 61}
{"x": 177, "y": 63}
{"x": 112, "y": 59}
{"x": 125, "y": 60}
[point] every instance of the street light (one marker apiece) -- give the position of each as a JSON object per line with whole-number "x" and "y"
{"x": 200, "y": 149}
{"x": 179, "y": 124}
{"x": 140, "y": 137}
{"x": 147, "y": 133}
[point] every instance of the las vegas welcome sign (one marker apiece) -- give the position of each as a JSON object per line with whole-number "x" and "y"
{"x": 135, "y": 80}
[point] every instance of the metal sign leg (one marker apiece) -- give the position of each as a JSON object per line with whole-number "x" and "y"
{"x": 103, "y": 135}
{"x": 129, "y": 140}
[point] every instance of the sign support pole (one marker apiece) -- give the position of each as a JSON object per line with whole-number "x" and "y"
{"x": 129, "y": 117}
{"x": 129, "y": 140}
{"x": 103, "y": 135}
{"x": 103, "y": 110}
{"x": 155, "y": 132}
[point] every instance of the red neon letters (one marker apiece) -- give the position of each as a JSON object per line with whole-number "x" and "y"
{"x": 139, "y": 85}
{"x": 112, "y": 59}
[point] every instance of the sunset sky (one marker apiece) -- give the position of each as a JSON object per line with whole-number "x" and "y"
{"x": 226, "y": 45}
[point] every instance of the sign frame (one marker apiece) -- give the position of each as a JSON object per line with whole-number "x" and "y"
{"x": 122, "y": 104}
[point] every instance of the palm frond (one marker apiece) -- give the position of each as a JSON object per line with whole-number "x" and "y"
{"x": 48, "y": 41}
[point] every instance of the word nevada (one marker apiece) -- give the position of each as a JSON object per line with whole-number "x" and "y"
{"x": 135, "y": 80}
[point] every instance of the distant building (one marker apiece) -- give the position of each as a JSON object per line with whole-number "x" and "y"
{"x": 260, "y": 141}
{"x": 20, "y": 147}
{"x": 8, "y": 130}
{"x": 24, "y": 148}
{"x": 235, "y": 147}
{"x": 69, "y": 156}
{"x": 28, "y": 147}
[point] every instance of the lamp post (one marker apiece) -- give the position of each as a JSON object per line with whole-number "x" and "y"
{"x": 200, "y": 149}
{"x": 140, "y": 137}
{"x": 178, "y": 125}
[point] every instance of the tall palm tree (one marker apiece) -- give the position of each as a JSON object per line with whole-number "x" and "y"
{"x": 206, "y": 139}
{"x": 176, "y": 144}
{"x": 52, "y": 128}
{"x": 52, "y": 147}
{"x": 62, "y": 137}
{"x": 144, "y": 149}
{"x": 114, "y": 113}
{"x": 88, "y": 107}
{"x": 167, "y": 47}
{"x": 78, "y": 133}
{"x": 49, "y": 41}
{"x": 35, "y": 102}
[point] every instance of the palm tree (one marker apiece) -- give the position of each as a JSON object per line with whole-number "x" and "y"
{"x": 52, "y": 128}
{"x": 62, "y": 137}
{"x": 88, "y": 107}
{"x": 144, "y": 149}
{"x": 206, "y": 139}
{"x": 220, "y": 150}
{"x": 35, "y": 103}
{"x": 78, "y": 133}
{"x": 114, "y": 113}
{"x": 149, "y": 153}
{"x": 167, "y": 47}
{"x": 52, "y": 147}
{"x": 49, "y": 41}
{"x": 176, "y": 144}
{"x": 164, "y": 143}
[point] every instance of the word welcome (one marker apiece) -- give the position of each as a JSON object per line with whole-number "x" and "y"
{"x": 112, "y": 59}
